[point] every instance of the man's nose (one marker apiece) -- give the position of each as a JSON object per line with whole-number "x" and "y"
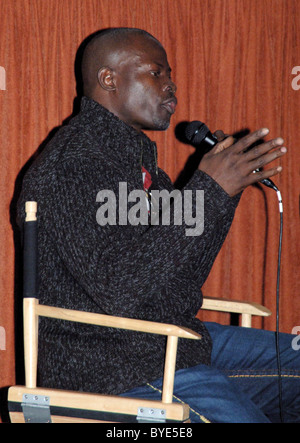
{"x": 170, "y": 87}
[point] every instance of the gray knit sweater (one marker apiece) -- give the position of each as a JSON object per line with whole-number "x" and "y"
{"x": 146, "y": 272}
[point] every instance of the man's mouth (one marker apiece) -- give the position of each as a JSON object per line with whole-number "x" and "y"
{"x": 170, "y": 105}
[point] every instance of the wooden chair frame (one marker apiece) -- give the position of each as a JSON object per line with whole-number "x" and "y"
{"x": 32, "y": 404}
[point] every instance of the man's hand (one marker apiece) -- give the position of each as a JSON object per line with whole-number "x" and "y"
{"x": 219, "y": 134}
{"x": 231, "y": 164}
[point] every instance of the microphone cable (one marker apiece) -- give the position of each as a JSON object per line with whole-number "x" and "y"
{"x": 267, "y": 182}
{"x": 278, "y": 306}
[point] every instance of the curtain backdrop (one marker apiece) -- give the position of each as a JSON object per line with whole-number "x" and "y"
{"x": 232, "y": 61}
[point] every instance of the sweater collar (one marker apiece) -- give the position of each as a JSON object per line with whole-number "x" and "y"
{"x": 99, "y": 115}
{"x": 123, "y": 141}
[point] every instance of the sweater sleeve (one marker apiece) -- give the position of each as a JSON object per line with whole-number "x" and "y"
{"x": 125, "y": 268}
{"x": 219, "y": 210}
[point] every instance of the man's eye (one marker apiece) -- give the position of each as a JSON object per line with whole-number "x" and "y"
{"x": 155, "y": 73}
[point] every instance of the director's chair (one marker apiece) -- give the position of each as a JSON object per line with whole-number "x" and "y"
{"x": 31, "y": 404}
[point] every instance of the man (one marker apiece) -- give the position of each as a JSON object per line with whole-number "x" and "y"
{"x": 147, "y": 271}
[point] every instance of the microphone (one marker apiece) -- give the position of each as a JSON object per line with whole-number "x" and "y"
{"x": 197, "y": 133}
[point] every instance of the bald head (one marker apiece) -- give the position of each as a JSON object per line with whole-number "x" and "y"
{"x": 126, "y": 70}
{"x": 104, "y": 50}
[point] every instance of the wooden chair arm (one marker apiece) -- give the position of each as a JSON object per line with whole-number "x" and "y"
{"x": 33, "y": 310}
{"x": 116, "y": 322}
{"x": 246, "y": 309}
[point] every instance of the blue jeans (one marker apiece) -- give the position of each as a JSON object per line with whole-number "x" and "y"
{"x": 241, "y": 385}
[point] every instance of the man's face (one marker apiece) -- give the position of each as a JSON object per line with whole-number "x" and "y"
{"x": 145, "y": 94}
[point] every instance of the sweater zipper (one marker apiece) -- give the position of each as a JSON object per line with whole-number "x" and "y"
{"x": 155, "y": 157}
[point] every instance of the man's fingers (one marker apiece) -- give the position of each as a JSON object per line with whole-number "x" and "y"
{"x": 265, "y": 159}
{"x": 244, "y": 143}
{"x": 220, "y": 135}
{"x": 259, "y": 176}
{"x": 224, "y": 144}
{"x": 232, "y": 164}
{"x": 263, "y": 148}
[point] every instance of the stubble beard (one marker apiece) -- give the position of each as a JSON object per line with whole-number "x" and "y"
{"x": 161, "y": 124}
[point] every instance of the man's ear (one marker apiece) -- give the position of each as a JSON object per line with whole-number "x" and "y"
{"x": 106, "y": 78}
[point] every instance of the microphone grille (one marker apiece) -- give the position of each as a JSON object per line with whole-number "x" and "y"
{"x": 196, "y": 132}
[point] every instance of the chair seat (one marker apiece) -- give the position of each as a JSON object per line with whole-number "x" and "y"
{"x": 41, "y": 405}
